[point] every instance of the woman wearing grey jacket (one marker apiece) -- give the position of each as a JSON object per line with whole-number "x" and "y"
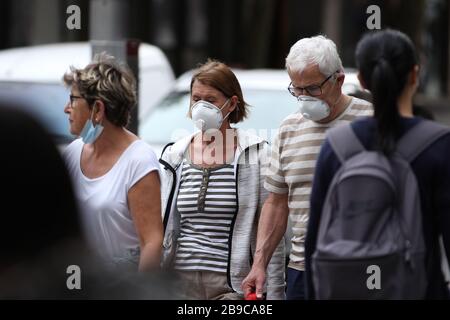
{"x": 212, "y": 190}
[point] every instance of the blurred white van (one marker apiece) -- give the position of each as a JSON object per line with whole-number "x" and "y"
{"x": 32, "y": 77}
{"x": 48, "y": 63}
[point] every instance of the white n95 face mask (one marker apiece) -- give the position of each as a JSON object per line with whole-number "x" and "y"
{"x": 207, "y": 116}
{"x": 313, "y": 109}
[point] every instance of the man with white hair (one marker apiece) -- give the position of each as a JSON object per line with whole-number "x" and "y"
{"x": 317, "y": 75}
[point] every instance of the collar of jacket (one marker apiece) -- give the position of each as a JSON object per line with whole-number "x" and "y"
{"x": 175, "y": 153}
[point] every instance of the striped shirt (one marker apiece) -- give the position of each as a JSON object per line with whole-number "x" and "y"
{"x": 294, "y": 154}
{"x": 207, "y": 203}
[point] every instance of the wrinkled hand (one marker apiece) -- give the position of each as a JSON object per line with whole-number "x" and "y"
{"x": 254, "y": 282}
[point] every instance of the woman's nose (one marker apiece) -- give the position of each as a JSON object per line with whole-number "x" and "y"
{"x": 67, "y": 107}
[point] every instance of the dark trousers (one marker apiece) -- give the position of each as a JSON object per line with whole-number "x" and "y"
{"x": 295, "y": 284}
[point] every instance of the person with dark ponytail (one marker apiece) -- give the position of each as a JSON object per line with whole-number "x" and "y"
{"x": 389, "y": 68}
{"x": 386, "y": 73}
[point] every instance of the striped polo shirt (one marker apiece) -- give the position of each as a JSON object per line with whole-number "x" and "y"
{"x": 294, "y": 154}
{"x": 207, "y": 204}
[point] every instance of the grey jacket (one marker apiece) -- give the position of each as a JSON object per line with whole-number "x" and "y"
{"x": 250, "y": 167}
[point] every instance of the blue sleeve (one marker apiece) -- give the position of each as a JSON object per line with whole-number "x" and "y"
{"x": 326, "y": 167}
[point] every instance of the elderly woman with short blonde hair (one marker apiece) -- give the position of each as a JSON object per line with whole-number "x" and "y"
{"x": 116, "y": 174}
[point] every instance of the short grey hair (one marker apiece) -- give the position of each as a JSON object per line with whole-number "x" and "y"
{"x": 318, "y": 50}
{"x": 106, "y": 79}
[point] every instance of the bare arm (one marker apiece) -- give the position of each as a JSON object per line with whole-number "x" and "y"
{"x": 144, "y": 199}
{"x": 271, "y": 228}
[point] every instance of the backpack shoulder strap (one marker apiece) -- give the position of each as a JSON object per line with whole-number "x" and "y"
{"x": 344, "y": 142}
{"x": 420, "y": 137}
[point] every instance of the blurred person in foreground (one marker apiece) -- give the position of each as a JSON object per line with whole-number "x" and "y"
{"x": 44, "y": 253}
{"x": 213, "y": 194}
{"x": 116, "y": 175}
{"x": 40, "y": 229}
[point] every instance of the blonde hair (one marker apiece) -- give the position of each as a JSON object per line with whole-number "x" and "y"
{"x": 106, "y": 80}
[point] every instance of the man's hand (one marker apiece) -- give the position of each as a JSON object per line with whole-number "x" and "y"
{"x": 271, "y": 228}
{"x": 254, "y": 282}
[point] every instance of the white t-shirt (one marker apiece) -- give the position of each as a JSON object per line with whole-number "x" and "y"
{"x": 104, "y": 200}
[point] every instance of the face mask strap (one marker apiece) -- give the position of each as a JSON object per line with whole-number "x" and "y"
{"x": 335, "y": 76}
{"x": 338, "y": 99}
{"x": 223, "y": 106}
{"x": 226, "y": 102}
{"x": 92, "y": 117}
{"x": 226, "y": 116}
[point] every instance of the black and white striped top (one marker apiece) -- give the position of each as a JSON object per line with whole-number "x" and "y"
{"x": 207, "y": 204}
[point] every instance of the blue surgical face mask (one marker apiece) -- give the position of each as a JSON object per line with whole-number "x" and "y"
{"x": 90, "y": 133}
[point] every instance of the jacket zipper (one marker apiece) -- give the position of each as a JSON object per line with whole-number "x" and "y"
{"x": 230, "y": 237}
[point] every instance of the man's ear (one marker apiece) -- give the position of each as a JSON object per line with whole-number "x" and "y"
{"x": 340, "y": 77}
{"x": 361, "y": 81}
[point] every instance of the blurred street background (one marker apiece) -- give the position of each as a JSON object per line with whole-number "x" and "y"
{"x": 243, "y": 33}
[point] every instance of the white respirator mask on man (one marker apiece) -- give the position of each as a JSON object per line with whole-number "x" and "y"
{"x": 313, "y": 108}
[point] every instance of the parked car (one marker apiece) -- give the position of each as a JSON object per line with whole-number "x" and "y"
{"x": 33, "y": 76}
{"x": 44, "y": 101}
{"x": 264, "y": 89}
